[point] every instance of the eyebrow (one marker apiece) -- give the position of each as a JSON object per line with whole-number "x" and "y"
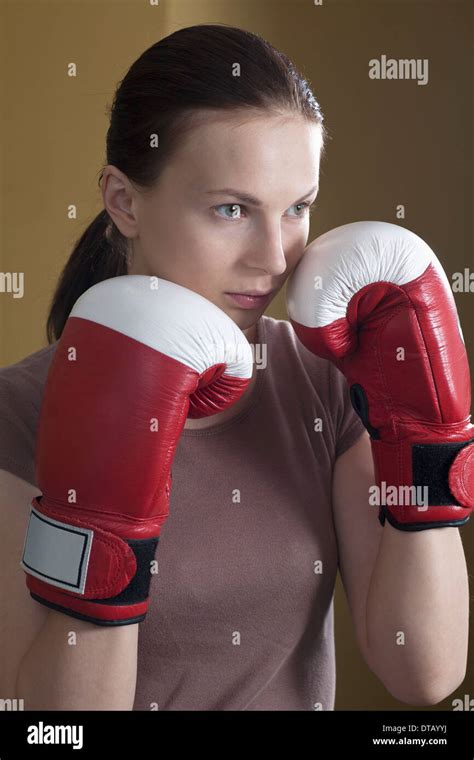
{"x": 250, "y": 199}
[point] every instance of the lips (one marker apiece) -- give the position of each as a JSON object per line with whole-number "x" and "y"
{"x": 249, "y": 300}
{"x": 259, "y": 293}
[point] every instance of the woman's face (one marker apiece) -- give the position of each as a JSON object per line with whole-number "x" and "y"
{"x": 194, "y": 229}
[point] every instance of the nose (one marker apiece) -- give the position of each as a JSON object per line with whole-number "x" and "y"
{"x": 266, "y": 251}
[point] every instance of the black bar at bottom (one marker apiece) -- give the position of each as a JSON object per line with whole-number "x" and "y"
{"x": 62, "y": 734}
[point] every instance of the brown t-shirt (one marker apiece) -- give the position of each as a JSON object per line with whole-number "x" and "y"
{"x": 241, "y": 610}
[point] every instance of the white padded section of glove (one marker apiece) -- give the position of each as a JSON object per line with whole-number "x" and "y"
{"x": 169, "y": 318}
{"x": 347, "y": 259}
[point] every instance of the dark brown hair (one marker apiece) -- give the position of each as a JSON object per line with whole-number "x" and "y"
{"x": 169, "y": 84}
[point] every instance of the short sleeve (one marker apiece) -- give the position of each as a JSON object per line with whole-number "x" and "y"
{"x": 16, "y": 436}
{"x": 21, "y": 390}
{"x": 347, "y": 423}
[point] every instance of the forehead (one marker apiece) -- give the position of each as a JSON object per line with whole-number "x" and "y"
{"x": 264, "y": 151}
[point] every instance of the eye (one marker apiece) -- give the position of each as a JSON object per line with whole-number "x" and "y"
{"x": 232, "y": 206}
{"x": 303, "y": 207}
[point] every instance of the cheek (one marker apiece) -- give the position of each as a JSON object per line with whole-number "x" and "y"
{"x": 294, "y": 255}
{"x": 188, "y": 249}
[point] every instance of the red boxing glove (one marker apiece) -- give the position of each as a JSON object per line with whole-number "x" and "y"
{"x": 132, "y": 362}
{"x": 385, "y": 316}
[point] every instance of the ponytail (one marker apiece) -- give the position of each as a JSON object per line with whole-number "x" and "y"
{"x": 100, "y": 253}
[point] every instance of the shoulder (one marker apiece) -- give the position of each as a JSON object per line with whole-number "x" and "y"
{"x": 21, "y": 391}
{"x": 23, "y": 381}
{"x": 37, "y": 362}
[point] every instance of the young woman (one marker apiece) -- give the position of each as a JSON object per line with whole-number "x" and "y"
{"x": 213, "y": 155}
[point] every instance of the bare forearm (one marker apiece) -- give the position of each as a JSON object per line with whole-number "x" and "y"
{"x": 417, "y": 613}
{"x": 73, "y": 665}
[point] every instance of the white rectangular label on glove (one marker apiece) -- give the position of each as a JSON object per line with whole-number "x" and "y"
{"x": 57, "y": 553}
